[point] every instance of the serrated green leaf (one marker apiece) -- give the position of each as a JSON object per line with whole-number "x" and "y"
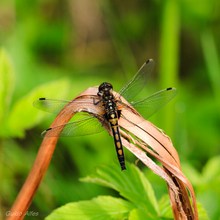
{"x": 202, "y": 212}
{"x": 208, "y": 192}
{"x": 100, "y": 208}
{"x": 131, "y": 184}
{"x": 194, "y": 176}
{"x": 211, "y": 170}
{"x": 24, "y": 116}
{"x": 6, "y": 84}
{"x": 139, "y": 214}
{"x": 165, "y": 208}
{"x": 166, "y": 211}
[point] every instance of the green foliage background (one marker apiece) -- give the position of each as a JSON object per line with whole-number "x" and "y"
{"x": 57, "y": 49}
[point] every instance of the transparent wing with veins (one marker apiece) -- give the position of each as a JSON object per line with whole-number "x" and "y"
{"x": 151, "y": 104}
{"x": 154, "y": 102}
{"x": 90, "y": 125}
{"x": 50, "y": 105}
{"x": 84, "y": 123}
{"x": 138, "y": 82}
{"x": 86, "y": 126}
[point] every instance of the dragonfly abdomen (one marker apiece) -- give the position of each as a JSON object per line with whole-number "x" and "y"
{"x": 113, "y": 120}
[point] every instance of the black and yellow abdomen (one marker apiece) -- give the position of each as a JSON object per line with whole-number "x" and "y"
{"x": 113, "y": 120}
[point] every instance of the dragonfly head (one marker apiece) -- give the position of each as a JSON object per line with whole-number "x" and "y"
{"x": 105, "y": 88}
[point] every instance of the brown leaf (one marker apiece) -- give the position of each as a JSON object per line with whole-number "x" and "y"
{"x": 138, "y": 135}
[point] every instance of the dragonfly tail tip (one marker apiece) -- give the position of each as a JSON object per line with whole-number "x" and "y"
{"x": 123, "y": 167}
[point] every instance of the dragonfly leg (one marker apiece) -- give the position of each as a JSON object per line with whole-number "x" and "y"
{"x": 96, "y": 102}
{"x": 119, "y": 113}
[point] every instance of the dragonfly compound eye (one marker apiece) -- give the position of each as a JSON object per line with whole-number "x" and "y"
{"x": 105, "y": 87}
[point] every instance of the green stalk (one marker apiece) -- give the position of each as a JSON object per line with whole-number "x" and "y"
{"x": 169, "y": 58}
{"x": 212, "y": 62}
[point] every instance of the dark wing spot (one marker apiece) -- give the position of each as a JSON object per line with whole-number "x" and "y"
{"x": 148, "y": 61}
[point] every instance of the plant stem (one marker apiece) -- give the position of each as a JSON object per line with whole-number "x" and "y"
{"x": 169, "y": 57}
{"x": 212, "y": 62}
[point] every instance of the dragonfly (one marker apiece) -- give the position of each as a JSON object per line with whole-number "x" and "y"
{"x": 112, "y": 109}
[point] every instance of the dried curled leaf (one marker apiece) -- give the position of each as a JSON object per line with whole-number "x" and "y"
{"x": 138, "y": 135}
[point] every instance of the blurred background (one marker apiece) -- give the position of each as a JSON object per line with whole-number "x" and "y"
{"x": 57, "y": 49}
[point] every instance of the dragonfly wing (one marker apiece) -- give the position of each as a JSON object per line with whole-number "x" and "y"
{"x": 86, "y": 126}
{"x": 153, "y": 103}
{"x": 50, "y": 105}
{"x": 54, "y": 105}
{"x": 137, "y": 83}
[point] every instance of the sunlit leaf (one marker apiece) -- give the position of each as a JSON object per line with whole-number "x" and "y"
{"x": 194, "y": 176}
{"x": 24, "y": 116}
{"x": 202, "y": 212}
{"x": 165, "y": 207}
{"x": 139, "y": 214}
{"x": 100, "y": 208}
{"x": 131, "y": 184}
{"x": 208, "y": 192}
{"x": 211, "y": 169}
{"x": 6, "y": 83}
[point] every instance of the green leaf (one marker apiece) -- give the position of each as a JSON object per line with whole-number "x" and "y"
{"x": 197, "y": 11}
{"x": 24, "y": 116}
{"x": 211, "y": 171}
{"x": 194, "y": 176}
{"x": 6, "y": 84}
{"x": 139, "y": 214}
{"x": 131, "y": 184}
{"x": 202, "y": 212}
{"x": 100, "y": 208}
{"x": 165, "y": 207}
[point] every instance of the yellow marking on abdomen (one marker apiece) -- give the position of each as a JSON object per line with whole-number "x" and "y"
{"x": 120, "y": 152}
{"x": 116, "y": 136}
{"x": 112, "y": 115}
{"x": 113, "y": 121}
{"x": 118, "y": 144}
{"x": 114, "y": 127}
